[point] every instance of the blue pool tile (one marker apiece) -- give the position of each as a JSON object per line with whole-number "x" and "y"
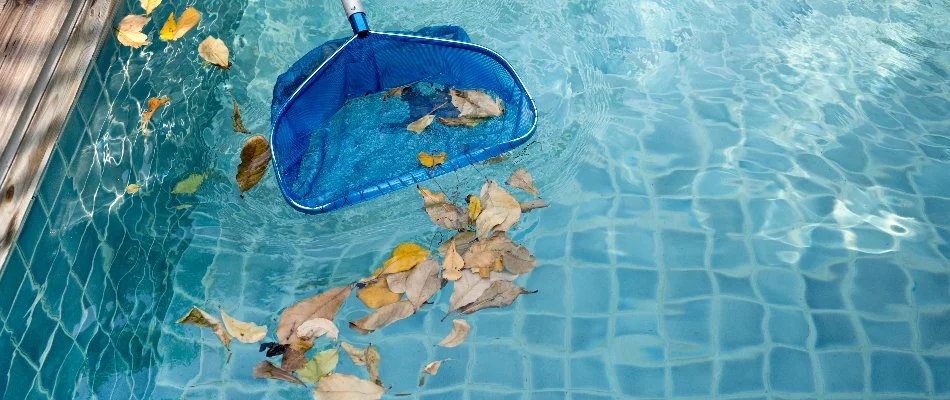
{"x": 545, "y": 330}
{"x": 56, "y": 283}
{"x": 547, "y": 372}
{"x": 781, "y": 287}
{"x": 588, "y": 333}
{"x": 22, "y": 373}
{"x": 71, "y": 308}
{"x": 688, "y": 322}
{"x": 636, "y": 324}
{"x": 692, "y": 379}
{"x": 896, "y": 372}
{"x": 60, "y": 346}
{"x": 546, "y": 276}
{"x": 683, "y": 249}
{"x": 740, "y": 324}
{"x": 33, "y": 229}
{"x": 939, "y": 370}
{"x": 11, "y": 277}
{"x": 48, "y": 189}
{"x": 790, "y": 371}
{"x": 735, "y": 286}
{"x": 895, "y": 334}
{"x": 18, "y": 319}
{"x": 492, "y": 366}
{"x": 546, "y": 395}
{"x": 635, "y": 286}
{"x": 834, "y": 330}
{"x": 879, "y": 288}
{"x": 550, "y": 247}
{"x": 594, "y": 180}
{"x": 728, "y": 253}
{"x": 38, "y": 335}
{"x": 589, "y": 373}
{"x": 72, "y": 132}
{"x": 591, "y": 287}
{"x": 590, "y": 246}
{"x": 824, "y": 294}
{"x": 591, "y": 396}
{"x": 635, "y": 245}
{"x": 723, "y": 216}
{"x": 681, "y": 285}
{"x": 934, "y": 330}
{"x": 7, "y": 349}
{"x": 788, "y": 327}
{"x": 497, "y": 324}
{"x": 641, "y": 381}
{"x": 842, "y": 372}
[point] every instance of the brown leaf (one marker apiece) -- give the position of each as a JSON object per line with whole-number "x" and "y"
{"x": 267, "y": 370}
{"x": 154, "y": 104}
{"x": 452, "y": 264}
{"x": 214, "y": 52}
{"x": 396, "y": 91}
{"x": 255, "y": 155}
{"x": 441, "y": 212}
{"x": 423, "y": 282}
{"x": 421, "y": 124}
{"x": 383, "y": 316}
{"x": 346, "y": 387}
{"x": 500, "y": 211}
{"x": 295, "y": 357}
{"x": 532, "y": 205}
{"x": 200, "y": 318}
{"x": 323, "y": 305}
{"x": 465, "y": 122}
{"x": 237, "y": 124}
{"x": 356, "y": 354}
{"x": 397, "y": 281}
{"x": 486, "y": 254}
{"x": 466, "y": 290}
{"x": 476, "y": 104}
{"x": 499, "y": 294}
{"x": 372, "y": 364}
{"x": 463, "y": 240}
{"x": 458, "y": 334}
{"x": 522, "y": 179}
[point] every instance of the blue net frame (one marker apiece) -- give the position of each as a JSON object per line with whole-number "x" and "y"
{"x": 320, "y": 170}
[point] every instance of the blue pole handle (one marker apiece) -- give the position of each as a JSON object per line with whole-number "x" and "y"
{"x": 357, "y": 17}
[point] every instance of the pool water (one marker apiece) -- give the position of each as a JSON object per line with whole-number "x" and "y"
{"x": 748, "y": 200}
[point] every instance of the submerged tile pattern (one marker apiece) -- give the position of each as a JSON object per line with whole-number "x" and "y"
{"x": 747, "y": 202}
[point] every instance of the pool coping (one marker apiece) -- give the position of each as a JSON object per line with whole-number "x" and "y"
{"x": 27, "y": 137}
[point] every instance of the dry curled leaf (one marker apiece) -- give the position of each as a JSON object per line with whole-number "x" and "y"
{"x": 356, "y": 354}
{"x": 430, "y": 160}
{"x": 383, "y": 316}
{"x": 322, "y": 364}
{"x": 397, "y": 281}
{"x": 458, "y": 334}
{"x": 487, "y": 255}
{"x": 403, "y": 258}
{"x": 149, "y": 5}
{"x": 463, "y": 240}
{"x": 421, "y": 124}
{"x": 529, "y": 206}
{"x": 466, "y": 290}
{"x": 323, "y": 305}
{"x": 452, "y": 263}
{"x": 200, "y": 318}
{"x": 499, "y": 294}
{"x": 267, "y": 370}
{"x": 244, "y": 332}
{"x": 316, "y": 328}
{"x": 502, "y": 276}
{"x": 132, "y": 188}
{"x": 154, "y": 104}
{"x": 431, "y": 368}
{"x": 129, "y": 33}
{"x": 423, "y": 282}
{"x": 237, "y": 124}
{"x": 441, "y": 212}
{"x": 377, "y": 294}
{"x": 214, "y": 52}
{"x": 500, "y": 211}
{"x": 476, "y": 104}
{"x": 255, "y": 156}
{"x": 372, "y": 364}
{"x": 346, "y": 387}
{"x": 522, "y": 179}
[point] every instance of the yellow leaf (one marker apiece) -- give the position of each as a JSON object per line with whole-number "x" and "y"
{"x": 430, "y": 160}
{"x": 404, "y": 257}
{"x": 132, "y": 188}
{"x": 200, "y": 318}
{"x": 183, "y": 206}
{"x": 153, "y": 104}
{"x": 452, "y": 264}
{"x": 215, "y": 52}
{"x": 244, "y": 332}
{"x": 421, "y": 124}
{"x": 474, "y": 207}
{"x": 189, "y": 185}
{"x": 377, "y": 294}
{"x": 168, "y": 31}
{"x": 322, "y": 364}
{"x": 255, "y": 156}
{"x": 459, "y": 332}
{"x": 188, "y": 19}
{"x": 149, "y": 5}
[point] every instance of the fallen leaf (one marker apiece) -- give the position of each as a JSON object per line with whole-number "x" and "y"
{"x": 188, "y": 19}
{"x": 153, "y": 104}
{"x": 441, "y": 212}
{"x": 200, "y": 318}
{"x": 267, "y": 370}
{"x": 466, "y": 290}
{"x": 244, "y": 332}
{"x": 133, "y": 23}
{"x": 463, "y": 240}
{"x": 189, "y": 185}
{"x": 486, "y": 254}
{"x": 404, "y": 257}
{"x": 323, "y": 305}
{"x": 452, "y": 264}
{"x": 396, "y": 91}
{"x": 183, "y": 206}
{"x": 372, "y": 364}
{"x": 356, "y": 354}
{"x": 474, "y": 207}
{"x": 522, "y": 179}
{"x": 149, "y": 5}
{"x": 458, "y": 334}
{"x": 322, "y": 364}
{"x": 476, "y": 104}
{"x": 421, "y": 124}
{"x": 423, "y": 282}
{"x": 500, "y": 211}
{"x": 377, "y": 294}
{"x": 397, "y": 281}
{"x": 255, "y": 156}
{"x": 346, "y": 387}
{"x": 316, "y": 328}
{"x": 130, "y": 33}
{"x": 383, "y": 316}
{"x": 168, "y": 30}
{"x": 497, "y": 159}
{"x": 132, "y": 188}
{"x": 499, "y": 294}
{"x": 430, "y": 160}
{"x": 295, "y": 355}
{"x": 215, "y": 52}
{"x": 502, "y": 276}
{"x": 529, "y": 206}
{"x": 237, "y": 124}
{"x": 431, "y": 368}
{"x": 465, "y": 122}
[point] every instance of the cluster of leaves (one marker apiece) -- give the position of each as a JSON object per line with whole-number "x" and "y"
{"x": 479, "y": 260}
{"x": 474, "y": 107}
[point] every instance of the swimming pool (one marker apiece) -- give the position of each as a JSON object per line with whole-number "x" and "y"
{"x": 747, "y": 201}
